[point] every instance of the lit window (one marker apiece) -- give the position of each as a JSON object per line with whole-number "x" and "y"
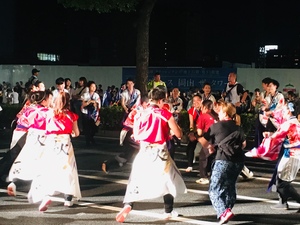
{"x": 48, "y": 57}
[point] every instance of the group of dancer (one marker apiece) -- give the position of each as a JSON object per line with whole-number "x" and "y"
{"x": 153, "y": 127}
{"x": 225, "y": 139}
{"x": 48, "y": 131}
{"x": 41, "y": 151}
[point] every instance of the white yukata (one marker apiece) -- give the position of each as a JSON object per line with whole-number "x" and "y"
{"x": 154, "y": 173}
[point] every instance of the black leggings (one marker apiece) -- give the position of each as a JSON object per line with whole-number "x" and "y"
{"x": 89, "y": 128}
{"x": 190, "y": 152}
{"x": 168, "y": 202}
{"x": 286, "y": 190}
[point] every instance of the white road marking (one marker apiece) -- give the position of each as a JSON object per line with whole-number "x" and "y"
{"x": 151, "y": 214}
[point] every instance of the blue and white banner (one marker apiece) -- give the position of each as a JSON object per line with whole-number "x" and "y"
{"x": 187, "y": 77}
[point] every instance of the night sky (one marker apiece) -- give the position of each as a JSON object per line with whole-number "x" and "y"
{"x": 193, "y": 29}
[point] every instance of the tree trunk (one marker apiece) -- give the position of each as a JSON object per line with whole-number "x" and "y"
{"x": 142, "y": 45}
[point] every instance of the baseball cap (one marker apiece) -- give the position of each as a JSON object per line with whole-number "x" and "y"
{"x": 35, "y": 70}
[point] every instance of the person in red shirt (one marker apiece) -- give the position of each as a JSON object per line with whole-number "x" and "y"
{"x": 207, "y": 118}
{"x": 154, "y": 173}
{"x": 194, "y": 113}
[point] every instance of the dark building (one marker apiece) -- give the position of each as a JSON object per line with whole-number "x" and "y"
{"x": 182, "y": 33}
{"x": 44, "y": 32}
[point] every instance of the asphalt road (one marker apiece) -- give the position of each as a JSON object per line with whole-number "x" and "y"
{"x": 103, "y": 195}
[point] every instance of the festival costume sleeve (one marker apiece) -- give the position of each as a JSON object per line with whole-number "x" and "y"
{"x": 270, "y": 147}
{"x": 33, "y": 117}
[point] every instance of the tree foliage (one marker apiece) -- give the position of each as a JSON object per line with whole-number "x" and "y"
{"x": 101, "y": 6}
{"x": 144, "y": 9}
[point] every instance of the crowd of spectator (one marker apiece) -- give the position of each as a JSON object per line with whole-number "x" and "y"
{"x": 15, "y": 94}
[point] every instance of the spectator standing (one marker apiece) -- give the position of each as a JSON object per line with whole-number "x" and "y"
{"x": 131, "y": 97}
{"x": 100, "y": 92}
{"x": 60, "y": 87}
{"x": 1, "y": 93}
{"x": 176, "y": 103}
{"x": 4, "y": 93}
{"x": 19, "y": 90}
{"x": 155, "y": 82}
{"x": 34, "y": 76}
{"x": 292, "y": 97}
{"x": 274, "y": 101}
{"x": 234, "y": 93}
{"x": 184, "y": 98}
{"x": 90, "y": 111}
{"x": 14, "y": 96}
{"x": 256, "y": 101}
{"x": 207, "y": 95}
{"x": 118, "y": 97}
{"x": 69, "y": 87}
{"x": 76, "y": 101}
{"x": 114, "y": 96}
{"x": 259, "y": 127}
{"x": 107, "y": 97}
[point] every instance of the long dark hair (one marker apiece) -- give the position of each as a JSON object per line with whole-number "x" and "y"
{"x": 37, "y": 97}
{"x": 84, "y": 81}
{"x": 210, "y": 106}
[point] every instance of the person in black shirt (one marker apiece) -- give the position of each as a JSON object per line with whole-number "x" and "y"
{"x": 228, "y": 139}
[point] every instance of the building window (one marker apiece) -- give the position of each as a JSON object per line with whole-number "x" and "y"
{"x": 48, "y": 57}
